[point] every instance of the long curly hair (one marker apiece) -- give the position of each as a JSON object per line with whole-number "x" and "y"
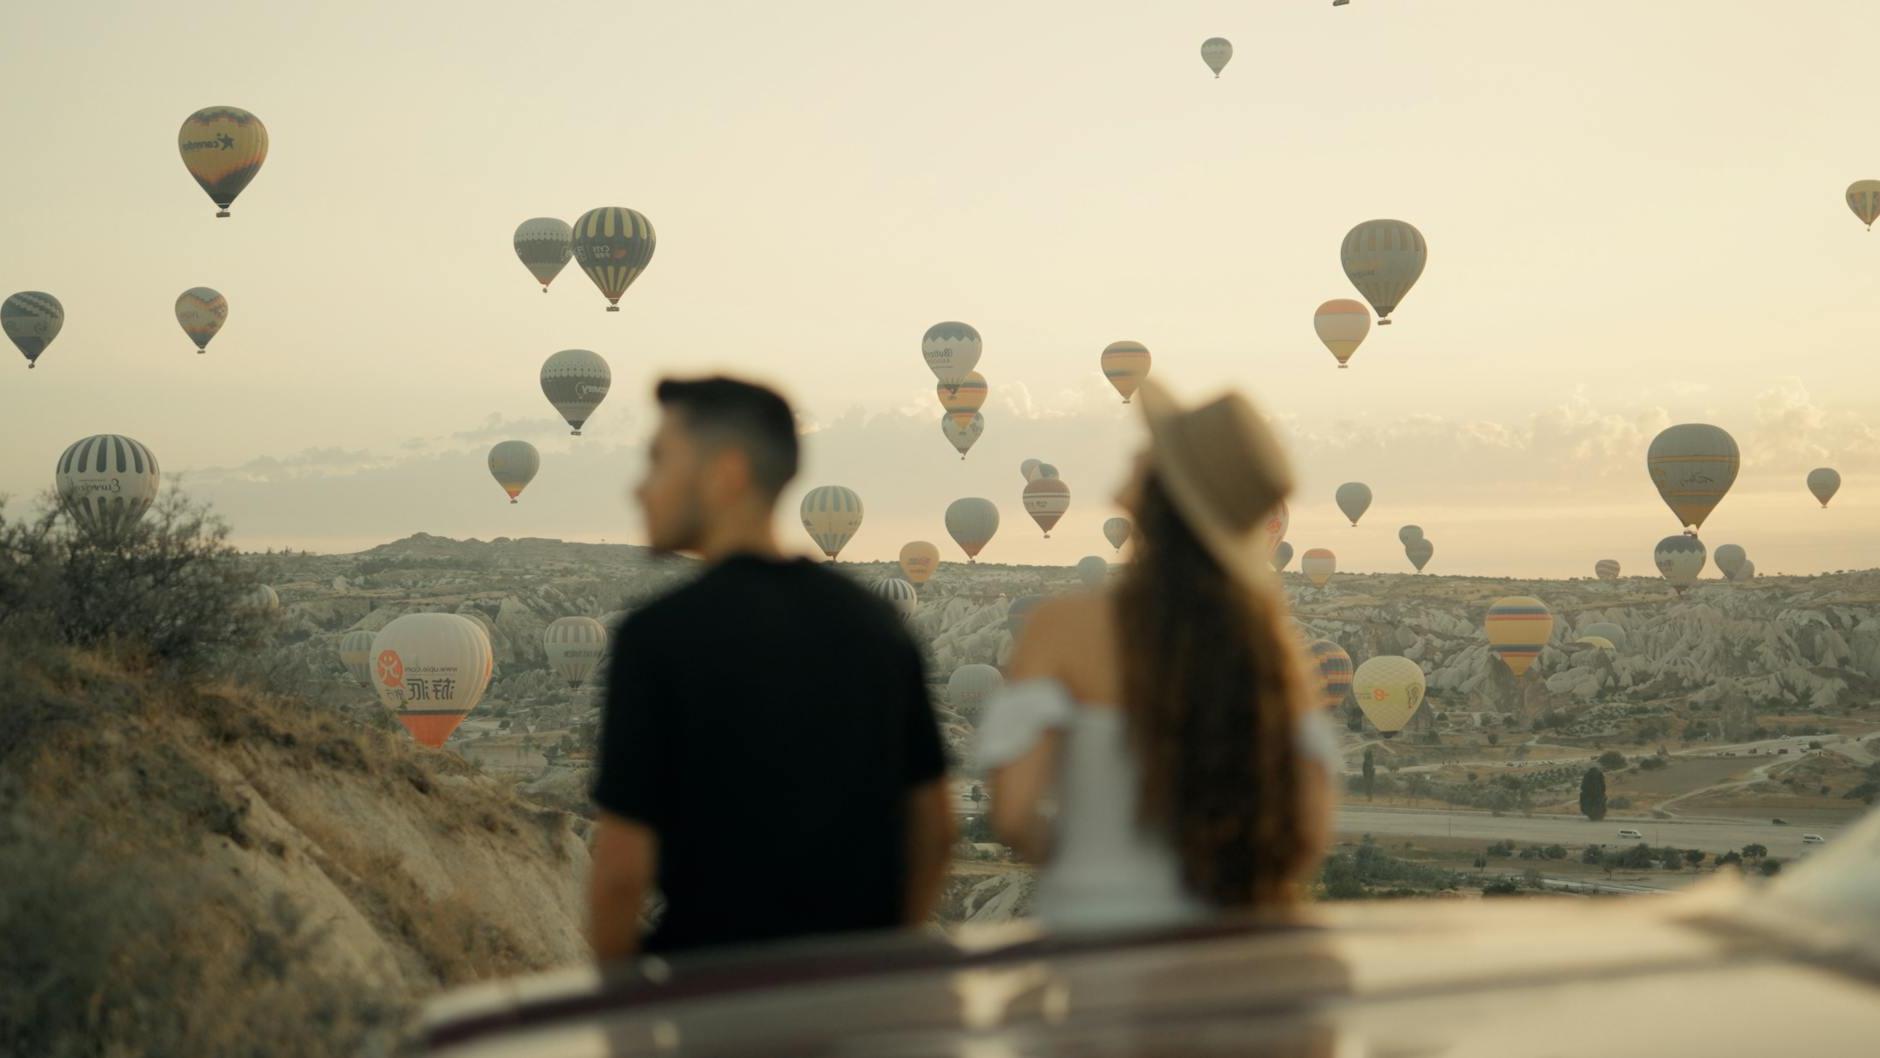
{"x": 1212, "y": 688}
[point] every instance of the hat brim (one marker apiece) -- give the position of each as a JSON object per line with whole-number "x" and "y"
{"x": 1241, "y": 555}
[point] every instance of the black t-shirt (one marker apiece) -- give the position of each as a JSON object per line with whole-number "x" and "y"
{"x": 767, "y": 721}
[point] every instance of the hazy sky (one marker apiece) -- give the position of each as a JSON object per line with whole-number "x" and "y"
{"x": 1634, "y": 213}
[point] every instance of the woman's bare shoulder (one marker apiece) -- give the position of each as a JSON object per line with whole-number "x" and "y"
{"x": 1062, "y": 635}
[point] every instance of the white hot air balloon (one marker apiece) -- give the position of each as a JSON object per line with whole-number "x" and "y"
{"x": 575, "y": 646}
{"x": 970, "y": 686}
{"x": 951, "y": 349}
{"x": 106, "y": 483}
{"x": 831, "y": 515}
{"x": 575, "y": 381}
{"x": 962, "y": 438}
{"x": 431, "y": 669}
{"x": 1680, "y": 558}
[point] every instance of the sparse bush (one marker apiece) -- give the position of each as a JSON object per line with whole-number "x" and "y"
{"x": 1770, "y": 868}
{"x": 1612, "y": 760}
{"x": 1500, "y": 887}
{"x": 1554, "y": 852}
{"x": 1652, "y": 763}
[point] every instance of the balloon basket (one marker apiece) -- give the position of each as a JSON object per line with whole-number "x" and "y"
{"x": 1383, "y": 323}
{"x": 221, "y": 213}
{"x": 613, "y": 308}
{"x": 1343, "y": 367}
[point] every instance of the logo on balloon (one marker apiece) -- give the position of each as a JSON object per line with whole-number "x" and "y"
{"x": 391, "y": 669}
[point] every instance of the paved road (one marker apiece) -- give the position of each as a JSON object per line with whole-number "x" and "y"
{"x": 1712, "y": 837}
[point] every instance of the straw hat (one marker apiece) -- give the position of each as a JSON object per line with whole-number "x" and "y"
{"x": 1224, "y": 471}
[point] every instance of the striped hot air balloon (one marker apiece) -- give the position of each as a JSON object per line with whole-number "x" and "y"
{"x": 1126, "y": 364}
{"x": 431, "y": 669}
{"x": 831, "y": 515}
{"x": 1046, "y": 500}
{"x": 1342, "y": 325}
{"x": 1863, "y": 197}
{"x": 575, "y": 381}
{"x": 1680, "y": 558}
{"x": 1389, "y": 689}
{"x": 1518, "y": 627}
{"x": 1333, "y": 667}
{"x": 513, "y": 464}
{"x": 952, "y": 350}
{"x": 106, "y": 482}
{"x": 1116, "y": 531}
{"x": 897, "y": 593}
{"x": 1282, "y": 556}
{"x": 613, "y": 245}
{"x": 1824, "y": 482}
{"x": 962, "y": 438}
{"x": 1606, "y": 569}
{"x": 544, "y": 245}
{"x": 1319, "y": 564}
{"x": 31, "y": 320}
{"x": 223, "y": 148}
{"x": 575, "y": 646}
{"x": 1693, "y": 465}
{"x": 970, "y": 686}
{"x": 201, "y": 312}
{"x": 1383, "y": 259}
{"x": 971, "y": 523}
{"x": 919, "y": 561}
{"x": 963, "y": 400}
{"x": 355, "y": 652}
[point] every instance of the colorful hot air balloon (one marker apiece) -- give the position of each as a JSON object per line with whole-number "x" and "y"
{"x": 575, "y": 381}
{"x": 1383, "y": 259}
{"x": 1728, "y": 558}
{"x": 1333, "y": 667}
{"x": 1126, "y": 364}
{"x": 1518, "y": 627}
{"x": 952, "y": 350}
{"x": 1093, "y": 571}
{"x": 223, "y": 148}
{"x": 355, "y": 652}
{"x": 1419, "y": 552}
{"x": 1342, "y": 324}
{"x": 898, "y": 594}
{"x": 575, "y": 646}
{"x": 1277, "y": 523}
{"x": 831, "y": 515}
{"x": 1388, "y": 690}
{"x": 963, "y": 400}
{"x": 544, "y": 245}
{"x": 1029, "y": 468}
{"x": 1680, "y": 558}
{"x": 1354, "y": 498}
{"x": 32, "y": 319}
{"x": 1596, "y": 642}
{"x": 1693, "y": 465}
{"x": 201, "y": 313}
{"x": 1606, "y": 569}
{"x": 1407, "y": 533}
{"x": 962, "y": 438}
{"x": 1216, "y": 51}
{"x": 1319, "y": 564}
{"x": 1282, "y": 556}
{"x": 513, "y": 464}
{"x": 106, "y": 483}
{"x": 431, "y": 669}
{"x": 919, "y": 561}
{"x": 1608, "y": 631}
{"x": 1117, "y": 531}
{"x": 1824, "y": 482}
{"x": 971, "y": 523}
{"x": 613, "y": 245}
{"x": 1046, "y": 500}
{"x": 1863, "y": 197}
{"x": 970, "y": 686}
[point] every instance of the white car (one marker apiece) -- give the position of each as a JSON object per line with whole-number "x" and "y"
{"x": 1630, "y": 833}
{"x": 1813, "y": 839}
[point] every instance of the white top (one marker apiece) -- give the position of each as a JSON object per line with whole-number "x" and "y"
{"x": 1106, "y": 870}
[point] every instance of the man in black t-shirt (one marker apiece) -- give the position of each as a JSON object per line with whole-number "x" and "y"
{"x": 769, "y": 759}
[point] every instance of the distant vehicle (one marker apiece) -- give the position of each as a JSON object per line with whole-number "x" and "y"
{"x": 1628, "y": 832}
{"x": 1780, "y": 822}
{"x": 1813, "y": 839}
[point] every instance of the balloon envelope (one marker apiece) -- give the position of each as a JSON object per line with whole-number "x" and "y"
{"x": 1093, "y": 571}
{"x": 575, "y": 381}
{"x": 431, "y": 669}
{"x": 952, "y": 350}
{"x": 201, "y": 312}
{"x": 1608, "y": 631}
{"x": 1354, "y": 498}
{"x": 919, "y": 560}
{"x": 544, "y": 245}
{"x": 898, "y": 594}
{"x": 31, "y": 319}
{"x": 513, "y": 464}
{"x": 1029, "y": 468}
{"x": 1216, "y": 51}
{"x": 1342, "y": 324}
{"x": 971, "y": 523}
{"x": 1863, "y": 197}
{"x": 1318, "y": 565}
{"x": 1046, "y": 500}
{"x": 1126, "y": 364}
{"x": 1383, "y": 259}
{"x": 1606, "y": 569}
{"x": 1518, "y": 626}
{"x": 1680, "y": 558}
{"x": 1333, "y": 667}
{"x": 1746, "y": 571}
{"x": 1117, "y": 531}
{"x": 1728, "y": 558}
{"x": 613, "y": 245}
{"x": 1407, "y": 533}
{"x": 575, "y": 646}
{"x": 355, "y": 652}
{"x": 1824, "y": 482}
{"x": 1277, "y": 523}
{"x": 831, "y": 515}
{"x": 1692, "y": 465}
{"x": 962, "y": 438}
{"x": 1388, "y": 690}
{"x": 970, "y": 686}
{"x": 106, "y": 482}
{"x": 1419, "y": 552}
{"x": 223, "y": 148}
{"x": 1282, "y": 555}
{"x": 962, "y": 400}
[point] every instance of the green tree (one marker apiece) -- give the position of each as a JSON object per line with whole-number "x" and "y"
{"x": 1593, "y": 794}
{"x": 1755, "y": 852}
{"x": 1370, "y": 774}
{"x": 1694, "y": 857}
{"x": 1612, "y": 760}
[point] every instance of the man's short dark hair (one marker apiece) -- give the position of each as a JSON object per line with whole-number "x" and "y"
{"x": 725, "y": 411}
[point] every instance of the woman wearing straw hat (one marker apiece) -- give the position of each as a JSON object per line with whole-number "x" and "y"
{"x": 1179, "y": 772}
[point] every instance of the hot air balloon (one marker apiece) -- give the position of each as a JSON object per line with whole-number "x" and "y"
{"x": 1093, "y": 571}
{"x": 1824, "y": 482}
{"x": 543, "y": 245}
{"x": 1029, "y": 468}
{"x": 575, "y": 646}
{"x": 32, "y": 319}
{"x": 1388, "y": 690}
{"x": 1342, "y": 325}
{"x": 1046, "y": 470}
{"x": 431, "y": 669}
{"x": 1046, "y": 500}
{"x": 1597, "y": 642}
{"x": 575, "y": 381}
{"x": 1863, "y": 197}
{"x": 1746, "y": 571}
{"x": 971, "y": 523}
{"x": 1216, "y": 51}
{"x": 1354, "y": 498}
{"x": 831, "y": 515}
{"x": 1407, "y": 533}
{"x": 1277, "y": 523}
{"x": 1680, "y": 558}
{"x": 1117, "y": 531}
{"x": 960, "y": 437}
{"x": 970, "y": 686}
{"x": 951, "y": 350}
{"x": 1318, "y": 565}
{"x": 263, "y": 601}
{"x": 1606, "y": 569}
{"x": 1693, "y": 465}
{"x": 106, "y": 483}
{"x": 1333, "y": 666}
{"x": 963, "y": 400}
{"x": 1282, "y": 556}
{"x": 919, "y": 561}
{"x": 1728, "y": 558}
{"x": 355, "y": 652}
{"x": 513, "y": 464}
{"x": 1126, "y": 364}
{"x": 1608, "y": 631}
{"x": 223, "y": 148}
{"x": 899, "y": 594}
{"x": 1383, "y": 259}
{"x": 1518, "y": 627}
{"x": 1419, "y": 552}
{"x": 613, "y": 245}
{"x": 1016, "y": 611}
{"x": 201, "y": 312}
